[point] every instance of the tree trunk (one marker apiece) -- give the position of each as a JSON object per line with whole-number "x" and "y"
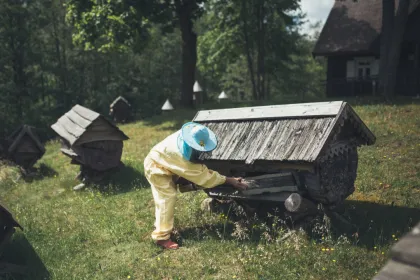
{"x": 395, "y": 48}
{"x": 17, "y": 45}
{"x": 261, "y": 50}
{"x": 388, "y": 8}
{"x": 248, "y": 48}
{"x": 184, "y": 11}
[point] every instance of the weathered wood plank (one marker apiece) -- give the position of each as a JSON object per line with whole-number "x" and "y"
{"x": 274, "y": 197}
{"x": 269, "y": 112}
{"x": 59, "y": 129}
{"x": 78, "y": 119}
{"x": 85, "y": 112}
{"x": 407, "y": 250}
{"x": 394, "y": 270}
{"x": 71, "y": 127}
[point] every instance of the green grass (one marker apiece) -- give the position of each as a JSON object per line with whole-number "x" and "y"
{"x": 104, "y": 232}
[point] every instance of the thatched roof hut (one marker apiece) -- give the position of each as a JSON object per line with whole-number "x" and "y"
{"x": 350, "y": 41}
{"x": 24, "y": 147}
{"x": 89, "y": 139}
{"x": 120, "y": 109}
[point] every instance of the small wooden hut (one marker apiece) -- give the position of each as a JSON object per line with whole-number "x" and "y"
{"x": 90, "y": 140}
{"x": 23, "y": 147}
{"x": 120, "y": 110}
{"x": 309, "y": 149}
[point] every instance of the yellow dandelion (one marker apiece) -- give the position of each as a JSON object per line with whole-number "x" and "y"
{"x": 158, "y": 259}
{"x": 332, "y": 249}
{"x": 383, "y": 253}
{"x": 333, "y": 260}
{"x": 374, "y": 247}
{"x": 128, "y": 277}
{"x": 324, "y": 268}
{"x": 327, "y": 249}
{"x": 234, "y": 276}
{"x": 396, "y": 239}
{"x": 323, "y": 249}
{"x": 393, "y": 236}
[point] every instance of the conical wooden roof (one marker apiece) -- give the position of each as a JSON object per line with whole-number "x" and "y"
{"x": 197, "y": 87}
{"x": 167, "y": 106}
{"x": 223, "y": 95}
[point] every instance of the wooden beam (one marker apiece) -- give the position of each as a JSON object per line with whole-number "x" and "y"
{"x": 304, "y": 110}
{"x": 86, "y": 113}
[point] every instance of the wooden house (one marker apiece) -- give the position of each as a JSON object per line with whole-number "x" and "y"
{"x": 90, "y": 140}
{"x": 350, "y": 42}
{"x": 120, "y": 110}
{"x": 23, "y": 147}
{"x": 309, "y": 149}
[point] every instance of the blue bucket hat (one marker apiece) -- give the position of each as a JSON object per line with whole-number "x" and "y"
{"x": 195, "y": 136}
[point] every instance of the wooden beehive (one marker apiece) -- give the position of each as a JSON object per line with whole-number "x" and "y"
{"x": 89, "y": 139}
{"x": 23, "y": 147}
{"x": 310, "y": 149}
{"x": 120, "y": 110}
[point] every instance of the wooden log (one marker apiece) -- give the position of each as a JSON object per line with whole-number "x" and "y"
{"x": 299, "y": 207}
{"x": 295, "y": 203}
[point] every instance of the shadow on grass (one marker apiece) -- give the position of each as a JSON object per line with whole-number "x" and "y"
{"x": 373, "y": 225}
{"x": 39, "y": 173}
{"x": 123, "y": 180}
{"x": 376, "y": 223}
{"x": 19, "y": 252}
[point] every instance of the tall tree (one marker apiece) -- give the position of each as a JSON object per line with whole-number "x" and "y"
{"x": 261, "y": 31}
{"x": 393, "y": 28}
{"x": 110, "y": 25}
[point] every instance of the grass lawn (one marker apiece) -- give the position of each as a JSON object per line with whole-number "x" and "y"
{"x": 104, "y": 233}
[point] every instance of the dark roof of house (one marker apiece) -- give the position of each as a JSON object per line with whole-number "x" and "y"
{"x": 18, "y": 134}
{"x": 119, "y": 99}
{"x": 81, "y": 125}
{"x": 353, "y": 27}
{"x": 295, "y": 132}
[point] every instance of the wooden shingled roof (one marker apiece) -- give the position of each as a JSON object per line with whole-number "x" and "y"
{"x": 354, "y": 27}
{"x": 295, "y": 132}
{"x": 19, "y": 133}
{"x": 82, "y": 125}
{"x": 118, "y": 99}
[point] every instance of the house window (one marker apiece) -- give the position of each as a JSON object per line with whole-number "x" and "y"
{"x": 363, "y": 68}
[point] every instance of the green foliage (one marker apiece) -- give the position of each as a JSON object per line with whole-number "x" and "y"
{"x": 238, "y": 37}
